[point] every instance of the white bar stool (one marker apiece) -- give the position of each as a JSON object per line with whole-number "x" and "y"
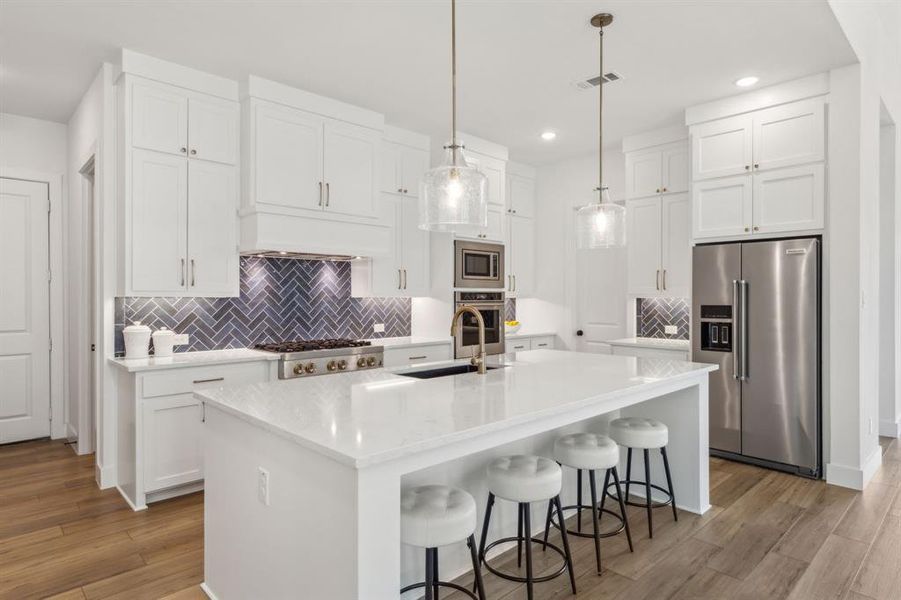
{"x": 439, "y": 515}
{"x": 591, "y": 452}
{"x": 646, "y": 434}
{"x": 524, "y": 479}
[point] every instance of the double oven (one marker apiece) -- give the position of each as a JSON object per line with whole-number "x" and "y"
{"x": 479, "y": 282}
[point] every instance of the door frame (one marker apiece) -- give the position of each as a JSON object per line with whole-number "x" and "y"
{"x": 59, "y": 366}
{"x": 89, "y": 331}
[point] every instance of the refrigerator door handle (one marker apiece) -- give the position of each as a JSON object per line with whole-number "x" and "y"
{"x": 743, "y": 329}
{"x": 737, "y": 336}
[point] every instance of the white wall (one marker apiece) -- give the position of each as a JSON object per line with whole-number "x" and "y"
{"x": 889, "y": 396}
{"x": 32, "y": 144}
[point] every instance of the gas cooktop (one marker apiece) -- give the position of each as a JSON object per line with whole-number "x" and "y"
{"x": 306, "y": 358}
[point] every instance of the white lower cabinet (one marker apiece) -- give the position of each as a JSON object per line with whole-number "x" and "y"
{"x": 521, "y": 343}
{"x": 650, "y": 353}
{"x": 543, "y": 342}
{"x": 416, "y": 355}
{"x": 160, "y": 426}
{"x": 518, "y": 345}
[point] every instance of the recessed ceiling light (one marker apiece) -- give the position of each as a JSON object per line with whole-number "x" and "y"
{"x": 548, "y": 135}
{"x": 746, "y": 81}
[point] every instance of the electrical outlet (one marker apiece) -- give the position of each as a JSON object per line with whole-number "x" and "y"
{"x": 263, "y": 486}
{"x": 181, "y": 339}
{"x": 378, "y": 328}
{"x": 671, "y": 329}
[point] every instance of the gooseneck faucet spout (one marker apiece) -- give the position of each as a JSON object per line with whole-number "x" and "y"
{"x": 477, "y": 361}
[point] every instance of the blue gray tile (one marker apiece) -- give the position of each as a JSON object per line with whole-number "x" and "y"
{"x": 653, "y": 314}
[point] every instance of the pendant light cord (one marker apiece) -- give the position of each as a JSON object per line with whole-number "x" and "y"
{"x": 601, "y": 119}
{"x": 454, "y": 79}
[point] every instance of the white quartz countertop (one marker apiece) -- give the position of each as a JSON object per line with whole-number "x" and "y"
{"x": 658, "y": 343}
{"x": 368, "y": 417}
{"x": 410, "y": 341}
{"x": 193, "y": 359}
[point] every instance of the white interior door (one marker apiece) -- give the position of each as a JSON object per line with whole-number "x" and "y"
{"x": 24, "y": 311}
{"x": 601, "y": 297}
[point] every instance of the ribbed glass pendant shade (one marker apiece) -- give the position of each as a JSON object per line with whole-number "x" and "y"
{"x": 454, "y": 196}
{"x": 601, "y": 225}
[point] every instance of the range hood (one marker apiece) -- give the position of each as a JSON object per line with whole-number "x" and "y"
{"x": 301, "y": 255}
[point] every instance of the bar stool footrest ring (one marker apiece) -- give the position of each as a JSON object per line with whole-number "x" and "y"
{"x": 511, "y": 577}
{"x": 445, "y": 584}
{"x": 642, "y": 485}
{"x": 620, "y": 528}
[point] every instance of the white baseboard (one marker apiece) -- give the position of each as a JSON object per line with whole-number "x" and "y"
{"x": 130, "y": 503}
{"x": 71, "y": 433}
{"x": 889, "y": 429}
{"x": 207, "y": 591}
{"x": 105, "y": 476}
{"x": 853, "y": 477}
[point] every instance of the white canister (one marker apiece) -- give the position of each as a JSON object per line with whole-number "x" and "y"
{"x": 137, "y": 340}
{"x": 163, "y": 341}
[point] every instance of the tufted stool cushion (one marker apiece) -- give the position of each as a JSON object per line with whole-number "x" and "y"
{"x": 524, "y": 478}
{"x": 638, "y": 432}
{"x": 436, "y": 515}
{"x": 590, "y": 451}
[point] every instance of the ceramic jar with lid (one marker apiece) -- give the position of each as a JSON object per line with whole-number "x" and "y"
{"x": 163, "y": 341}
{"x": 137, "y": 340}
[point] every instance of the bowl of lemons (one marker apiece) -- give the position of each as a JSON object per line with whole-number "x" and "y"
{"x": 512, "y": 326}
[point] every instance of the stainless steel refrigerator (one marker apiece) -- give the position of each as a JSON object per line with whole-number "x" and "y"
{"x": 756, "y": 313}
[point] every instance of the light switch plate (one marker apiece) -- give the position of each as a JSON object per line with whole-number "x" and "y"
{"x": 670, "y": 329}
{"x": 378, "y": 328}
{"x": 180, "y": 339}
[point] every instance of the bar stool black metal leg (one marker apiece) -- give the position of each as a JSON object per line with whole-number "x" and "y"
{"x": 569, "y": 556}
{"x": 547, "y": 523}
{"x": 669, "y": 483}
{"x": 435, "y": 569}
{"x": 594, "y": 518}
{"x": 527, "y": 526}
{"x": 622, "y": 508}
{"x": 519, "y": 536}
{"x": 604, "y": 494}
{"x": 485, "y": 526}
{"x": 628, "y": 471}
{"x": 647, "y": 488}
{"x": 478, "y": 586}
{"x": 578, "y": 500}
{"x": 429, "y": 575}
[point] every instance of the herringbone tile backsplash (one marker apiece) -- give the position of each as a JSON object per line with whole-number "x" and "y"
{"x": 281, "y": 299}
{"x": 653, "y": 314}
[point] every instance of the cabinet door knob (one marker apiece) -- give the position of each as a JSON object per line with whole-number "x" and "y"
{"x": 400, "y": 190}
{"x": 183, "y": 150}
{"x": 405, "y": 190}
{"x": 514, "y": 211}
{"x": 657, "y": 191}
{"x": 756, "y": 228}
{"x": 193, "y": 152}
{"x": 746, "y": 229}
{"x": 747, "y": 167}
{"x": 756, "y": 166}
{"x": 664, "y": 189}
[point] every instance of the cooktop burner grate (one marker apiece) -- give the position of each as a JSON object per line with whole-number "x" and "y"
{"x": 307, "y": 345}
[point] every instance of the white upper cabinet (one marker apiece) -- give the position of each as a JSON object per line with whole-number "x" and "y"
{"x": 287, "y": 159}
{"x": 520, "y": 253}
{"x": 721, "y": 148}
{"x": 180, "y": 185}
{"x": 790, "y": 199}
{"x": 643, "y": 173}
{"x": 675, "y": 245}
{"x": 722, "y": 207}
{"x": 495, "y": 170}
{"x": 780, "y": 188}
{"x": 402, "y": 168}
{"x": 789, "y": 135}
{"x": 159, "y": 117}
{"x": 643, "y": 237}
{"x": 212, "y": 268}
{"x": 658, "y": 170}
{"x": 659, "y": 245}
{"x": 213, "y": 130}
{"x": 493, "y": 232}
{"x": 521, "y": 195}
{"x": 351, "y": 158}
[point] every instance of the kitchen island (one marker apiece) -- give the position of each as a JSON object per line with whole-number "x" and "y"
{"x": 304, "y": 477}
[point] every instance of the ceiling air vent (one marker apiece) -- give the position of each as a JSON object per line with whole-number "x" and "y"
{"x": 591, "y": 83}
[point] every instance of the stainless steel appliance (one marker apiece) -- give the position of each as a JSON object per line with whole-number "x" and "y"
{"x": 756, "y": 313}
{"x": 490, "y": 306}
{"x": 308, "y": 358}
{"x": 478, "y": 265}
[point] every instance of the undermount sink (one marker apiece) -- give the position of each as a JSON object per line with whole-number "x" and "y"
{"x": 443, "y": 371}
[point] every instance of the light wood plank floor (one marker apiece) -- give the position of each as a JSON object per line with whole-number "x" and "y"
{"x": 768, "y": 536}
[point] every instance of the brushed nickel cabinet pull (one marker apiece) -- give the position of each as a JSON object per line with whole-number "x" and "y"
{"x": 209, "y": 380}
{"x": 514, "y": 283}
{"x": 320, "y": 193}
{"x": 664, "y": 278}
{"x": 328, "y": 194}
{"x": 182, "y": 272}
{"x": 417, "y": 357}
{"x": 399, "y": 280}
{"x": 657, "y": 280}
{"x": 193, "y": 273}
{"x": 203, "y": 412}
{"x": 405, "y": 279}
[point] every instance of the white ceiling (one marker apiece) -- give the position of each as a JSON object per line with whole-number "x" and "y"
{"x": 516, "y": 60}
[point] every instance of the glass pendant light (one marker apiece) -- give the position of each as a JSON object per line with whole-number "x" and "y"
{"x": 601, "y": 224}
{"x": 454, "y": 196}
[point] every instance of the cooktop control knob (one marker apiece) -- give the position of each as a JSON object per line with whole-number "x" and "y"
{"x": 310, "y": 368}
{"x": 298, "y": 369}
{"x": 361, "y": 362}
{"x": 370, "y": 361}
{"x": 332, "y": 365}
{"x": 342, "y": 364}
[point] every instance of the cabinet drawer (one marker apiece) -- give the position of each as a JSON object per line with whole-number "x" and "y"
{"x": 518, "y": 345}
{"x": 185, "y": 381}
{"x": 544, "y": 342}
{"x": 650, "y": 353}
{"x": 400, "y": 357}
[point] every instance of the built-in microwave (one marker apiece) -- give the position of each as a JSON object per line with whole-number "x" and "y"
{"x": 478, "y": 265}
